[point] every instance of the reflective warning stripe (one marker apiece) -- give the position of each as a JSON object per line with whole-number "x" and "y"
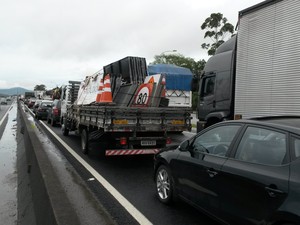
{"x": 113, "y": 152}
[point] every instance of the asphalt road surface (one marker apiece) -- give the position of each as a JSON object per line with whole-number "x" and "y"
{"x": 132, "y": 177}
{"x": 8, "y": 175}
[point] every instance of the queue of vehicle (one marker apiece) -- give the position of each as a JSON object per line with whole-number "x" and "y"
{"x": 237, "y": 171}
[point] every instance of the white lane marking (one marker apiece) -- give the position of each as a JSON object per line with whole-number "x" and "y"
{"x": 140, "y": 218}
{"x": 3, "y": 118}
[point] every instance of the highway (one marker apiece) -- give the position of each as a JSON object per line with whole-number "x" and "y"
{"x": 124, "y": 184}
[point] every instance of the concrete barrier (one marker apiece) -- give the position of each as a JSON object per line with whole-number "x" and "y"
{"x": 50, "y": 203}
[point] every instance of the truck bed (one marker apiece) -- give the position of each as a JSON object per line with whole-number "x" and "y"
{"x": 112, "y": 118}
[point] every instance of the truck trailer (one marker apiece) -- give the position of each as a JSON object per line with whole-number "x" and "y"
{"x": 256, "y": 73}
{"x": 125, "y": 111}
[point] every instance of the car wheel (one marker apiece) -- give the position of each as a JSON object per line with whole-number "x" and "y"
{"x": 84, "y": 142}
{"x": 52, "y": 122}
{"x": 164, "y": 184}
{"x": 65, "y": 130}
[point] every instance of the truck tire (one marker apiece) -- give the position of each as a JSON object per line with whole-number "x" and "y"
{"x": 53, "y": 122}
{"x": 65, "y": 131}
{"x": 84, "y": 141}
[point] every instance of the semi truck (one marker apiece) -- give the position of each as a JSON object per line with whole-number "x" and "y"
{"x": 124, "y": 111}
{"x": 29, "y": 94}
{"x": 256, "y": 73}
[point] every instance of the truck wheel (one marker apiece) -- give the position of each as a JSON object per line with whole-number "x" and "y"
{"x": 84, "y": 142}
{"x": 52, "y": 122}
{"x": 64, "y": 130}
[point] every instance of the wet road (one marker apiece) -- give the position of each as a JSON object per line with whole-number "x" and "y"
{"x": 8, "y": 175}
{"x": 133, "y": 178}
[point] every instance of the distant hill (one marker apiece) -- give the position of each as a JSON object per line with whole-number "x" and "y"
{"x": 13, "y": 91}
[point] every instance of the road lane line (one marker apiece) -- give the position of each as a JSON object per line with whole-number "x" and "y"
{"x": 137, "y": 215}
{"x": 3, "y": 118}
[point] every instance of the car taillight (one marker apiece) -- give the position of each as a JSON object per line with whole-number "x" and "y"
{"x": 123, "y": 141}
{"x": 168, "y": 140}
{"x": 55, "y": 111}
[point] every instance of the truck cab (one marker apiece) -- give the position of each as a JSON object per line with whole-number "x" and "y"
{"x": 216, "y": 88}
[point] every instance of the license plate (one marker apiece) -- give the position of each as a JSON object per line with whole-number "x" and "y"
{"x": 177, "y": 122}
{"x": 120, "y": 122}
{"x": 148, "y": 142}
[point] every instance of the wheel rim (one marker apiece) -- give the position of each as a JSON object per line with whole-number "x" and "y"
{"x": 163, "y": 184}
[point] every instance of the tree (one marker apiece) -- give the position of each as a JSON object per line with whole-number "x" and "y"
{"x": 217, "y": 29}
{"x": 40, "y": 87}
{"x": 179, "y": 60}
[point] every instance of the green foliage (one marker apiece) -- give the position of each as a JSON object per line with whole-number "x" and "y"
{"x": 194, "y": 100}
{"x": 40, "y": 87}
{"x": 217, "y": 29}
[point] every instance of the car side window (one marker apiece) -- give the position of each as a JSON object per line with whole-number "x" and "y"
{"x": 297, "y": 147}
{"x": 215, "y": 141}
{"x": 262, "y": 146}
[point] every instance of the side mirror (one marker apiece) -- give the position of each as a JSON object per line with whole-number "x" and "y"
{"x": 184, "y": 146}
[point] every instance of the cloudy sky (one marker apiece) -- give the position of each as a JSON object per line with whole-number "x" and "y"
{"x": 52, "y": 41}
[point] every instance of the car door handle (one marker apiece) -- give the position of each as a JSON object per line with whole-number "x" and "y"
{"x": 212, "y": 172}
{"x": 273, "y": 192}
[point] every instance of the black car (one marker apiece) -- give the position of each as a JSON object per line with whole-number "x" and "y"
{"x": 239, "y": 172}
{"x": 42, "y": 110}
{"x": 54, "y": 113}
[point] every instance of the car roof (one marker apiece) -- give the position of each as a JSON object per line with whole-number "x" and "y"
{"x": 46, "y": 102}
{"x": 286, "y": 123}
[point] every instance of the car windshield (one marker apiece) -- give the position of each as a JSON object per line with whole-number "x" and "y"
{"x": 46, "y": 104}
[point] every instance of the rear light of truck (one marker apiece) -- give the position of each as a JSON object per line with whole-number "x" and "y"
{"x": 123, "y": 141}
{"x": 168, "y": 140}
{"x": 55, "y": 111}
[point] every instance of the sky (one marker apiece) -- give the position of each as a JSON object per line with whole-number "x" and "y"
{"x": 53, "y": 41}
